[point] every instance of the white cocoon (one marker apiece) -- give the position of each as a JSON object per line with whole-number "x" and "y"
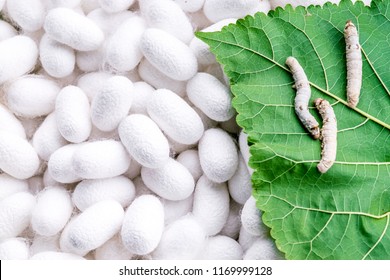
{"x": 171, "y": 181}
{"x": 211, "y": 205}
{"x": 32, "y": 96}
{"x": 122, "y": 51}
{"x": 60, "y": 256}
{"x": 14, "y": 249}
{"x": 190, "y": 6}
{"x": 240, "y": 185}
{"x": 178, "y": 61}
{"x": 233, "y": 222}
{"x": 60, "y": 164}
{"x": 91, "y": 83}
{"x": 143, "y": 225}
{"x": 56, "y": 58}
{"x": 17, "y": 157}
{"x": 73, "y": 29}
{"x": 251, "y": 219}
{"x": 157, "y": 79}
{"x": 216, "y": 10}
{"x": 190, "y": 160}
{"x": 112, "y": 103}
{"x": 218, "y": 155}
{"x": 10, "y": 185}
{"x": 244, "y": 149}
{"x": 221, "y": 247}
{"x": 52, "y": 211}
{"x": 263, "y": 249}
{"x": 47, "y": 139}
{"x": 181, "y": 240}
{"x": 28, "y": 14}
{"x": 113, "y": 249}
{"x": 211, "y": 96}
{"x": 89, "y": 192}
{"x": 144, "y": 140}
{"x": 6, "y": 30}
{"x": 8, "y": 122}
{"x": 15, "y": 214}
{"x": 100, "y": 159}
{"x": 72, "y": 113}
{"x": 168, "y": 16}
{"x": 175, "y": 117}
{"x": 18, "y": 56}
{"x": 92, "y": 228}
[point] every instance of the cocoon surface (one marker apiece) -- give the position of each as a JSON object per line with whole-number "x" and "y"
{"x": 113, "y": 249}
{"x": 171, "y": 181}
{"x": 211, "y": 96}
{"x": 70, "y": 28}
{"x": 18, "y": 56}
{"x": 10, "y": 185}
{"x": 251, "y": 219}
{"x": 60, "y": 256}
{"x": 178, "y": 61}
{"x": 144, "y": 140}
{"x": 92, "y": 228}
{"x": 175, "y": 117}
{"x": 28, "y": 14}
{"x": 143, "y": 225}
{"x": 9, "y": 123}
{"x": 15, "y": 214}
{"x": 52, "y": 211}
{"x": 218, "y": 155}
{"x": 73, "y": 114}
{"x": 14, "y": 249}
{"x": 221, "y": 247}
{"x": 100, "y": 159}
{"x": 17, "y": 157}
{"x": 240, "y": 185}
{"x": 89, "y": 192}
{"x": 211, "y": 205}
{"x": 182, "y": 240}
{"x": 190, "y": 159}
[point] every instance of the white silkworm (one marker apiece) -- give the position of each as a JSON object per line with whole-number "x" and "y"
{"x": 302, "y": 98}
{"x": 354, "y": 63}
{"x": 328, "y": 135}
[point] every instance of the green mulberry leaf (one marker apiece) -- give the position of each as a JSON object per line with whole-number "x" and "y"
{"x": 344, "y": 213}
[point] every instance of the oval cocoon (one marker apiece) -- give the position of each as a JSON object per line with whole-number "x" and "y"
{"x": 211, "y": 205}
{"x": 211, "y": 96}
{"x": 100, "y": 159}
{"x": 17, "y": 157}
{"x": 222, "y": 248}
{"x": 113, "y": 249}
{"x": 18, "y": 56}
{"x": 92, "y": 228}
{"x": 28, "y": 14}
{"x": 178, "y": 61}
{"x": 115, "y": 6}
{"x": 52, "y": 211}
{"x": 240, "y": 185}
{"x": 73, "y": 114}
{"x": 56, "y": 58}
{"x": 6, "y": 30}
{"x": 112, "y": 103}
{"x": 190, "y": 159}
{"x": 15, "y": 214}
{"x": 175, "y": 117}
{"x": 143, "y": 225}
{"x": 251, "y": 219}
{"x": 181, "y": 240}
{"x": 9, "y": 185}
{"x": 14, "y": 249}
{"x": 73, "y": 29}
{"x": 8, "y": 122}
{"x": 32, "y": 96}
{"x": 171, "y": 181}
{"x": 89, "y": 192}
{"x": 144, "y": 140}
{"x": 218, "y": 155}
{"x": 263, "y": 249}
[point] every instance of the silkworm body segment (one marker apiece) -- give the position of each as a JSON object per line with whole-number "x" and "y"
{"x": 302, "y": 98}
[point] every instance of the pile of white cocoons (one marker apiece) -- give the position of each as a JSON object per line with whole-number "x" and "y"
{"x": 118, "y": 139}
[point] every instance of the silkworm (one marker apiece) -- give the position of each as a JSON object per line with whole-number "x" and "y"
{"x": 328, "y": 135}
{"x": 354, "y": 64}
{"x": 302, "y": 98}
